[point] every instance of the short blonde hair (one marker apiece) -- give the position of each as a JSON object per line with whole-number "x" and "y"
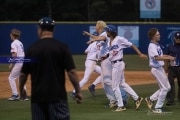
{"x": 101, "y": 24}
{"x": 16, "y": 33}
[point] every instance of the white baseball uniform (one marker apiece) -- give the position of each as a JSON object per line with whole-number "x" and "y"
{"x": 118, "y": 66}
{"x": 106, "y": 68}
{"x": 17, "y": 47}
{"x": 91, "y": 64}
{"x": 158, "y": 72}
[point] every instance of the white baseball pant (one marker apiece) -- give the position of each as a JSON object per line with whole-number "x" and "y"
{"x": 106, "y": 68}
{"x": 164, "y": 86}
{"x": 118, "y": 79}
{"x": 90, "y": 66}
{"x": 14, "y": 74}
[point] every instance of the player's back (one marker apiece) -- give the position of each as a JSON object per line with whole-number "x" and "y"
{"x": 17, "y": 47}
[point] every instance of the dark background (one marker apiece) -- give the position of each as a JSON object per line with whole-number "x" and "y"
{"x": 84, "y": 10}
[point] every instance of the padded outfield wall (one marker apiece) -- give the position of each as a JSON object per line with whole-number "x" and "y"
{"x": 71, "y": 34}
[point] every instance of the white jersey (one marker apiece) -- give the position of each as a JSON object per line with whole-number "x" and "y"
{"x": 155, "y": 50}
{"x": 103, "y": 45}
{"x": 92, "y": 51}
{"x": 17, "y": 47}
{"x": 117, "y": 46}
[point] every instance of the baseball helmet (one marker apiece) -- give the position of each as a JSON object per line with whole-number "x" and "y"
{"x": 46, "y": 21}
{"x": 95, "y": 33}
{"x": 177, "y": 35}
{"x": 111, "y": 28}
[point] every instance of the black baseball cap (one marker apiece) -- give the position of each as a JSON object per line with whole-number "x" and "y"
{"x": 46, "y": 21}
{"x": 177, "y": 35}
{"x": 46, "y": 24}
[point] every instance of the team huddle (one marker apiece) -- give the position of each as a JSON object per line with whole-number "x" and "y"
{"x": 48, "y": 93}
{"x": 107, "y": 47}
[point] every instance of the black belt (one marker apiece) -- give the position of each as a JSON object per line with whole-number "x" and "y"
{"x": 176, "y": 66}
{"x": 117, "y": 61}
{"x": 157, "y": 67}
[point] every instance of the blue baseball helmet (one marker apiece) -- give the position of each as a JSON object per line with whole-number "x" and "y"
{"x": 46, "y": 21}
{"x": 95, "y": 33}
{"x": 110, "y": 28}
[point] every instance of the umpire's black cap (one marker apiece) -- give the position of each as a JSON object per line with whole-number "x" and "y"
{"x": 177, "y": 35}
{"x": 46, "y": 23}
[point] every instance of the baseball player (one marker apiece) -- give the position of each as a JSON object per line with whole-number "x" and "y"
{"x": 105, "y": 63}
{"x": 156, "y": 62}
{"x": 91, "y": 88}
{"x": 90, "y": 66}
{"x": 116, "y": 46}
{"x": 17, "y": 51}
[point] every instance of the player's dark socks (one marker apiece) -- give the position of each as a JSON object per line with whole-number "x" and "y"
{"x": 169, "y": 103}
{"x": 93, "y": 86}
{"x": 92, "y": 89}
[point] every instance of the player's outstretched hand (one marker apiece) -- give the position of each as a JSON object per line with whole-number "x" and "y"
{"x": 85, "y": 33}
{"x": 78, "y": 98}
{"x": 143, "y": 56}
{"x": 171, "y": 58}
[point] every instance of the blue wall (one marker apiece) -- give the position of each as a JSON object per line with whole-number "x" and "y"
{"x": 71, "y": 34}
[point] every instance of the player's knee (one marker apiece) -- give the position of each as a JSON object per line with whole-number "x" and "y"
{"x": 10, "y": 78}
{"x": 107, "y": 82}
{"x": 169, "y": 88}
{"x": 166, "y": 89}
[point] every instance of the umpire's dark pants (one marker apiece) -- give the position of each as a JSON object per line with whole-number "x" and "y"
{"x": 173, "y": 72}
{"x": 50, "y": 111}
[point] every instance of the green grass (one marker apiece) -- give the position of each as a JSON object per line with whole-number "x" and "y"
{"x": 4, "y": 67}
{"x": 133, "y": 62}
{"x": 94, "y": 108}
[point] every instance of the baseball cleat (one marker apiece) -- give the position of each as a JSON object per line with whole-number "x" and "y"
{"x": 138, "y": 102}
{"x": 119, "y": 109}
{"x": 149, "y": 103}
{"x": 13, "y": 98}
{"x": 170, "y": 103}
{"x": 111, "y": 105}
{"x": 92, "y": 90}
{"x": 73, "y": 95}
{"x": 25, "y": 99}
{"x": 157, "y": 110}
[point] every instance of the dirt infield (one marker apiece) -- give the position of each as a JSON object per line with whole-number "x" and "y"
{"x": 132, "y": 78}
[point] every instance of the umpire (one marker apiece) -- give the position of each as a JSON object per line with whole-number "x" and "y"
{"x": 50, "y": 59}
{"x": 174, "y": 69}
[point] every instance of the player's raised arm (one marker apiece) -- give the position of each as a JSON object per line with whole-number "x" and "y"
{"x": 96, "y": 38}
